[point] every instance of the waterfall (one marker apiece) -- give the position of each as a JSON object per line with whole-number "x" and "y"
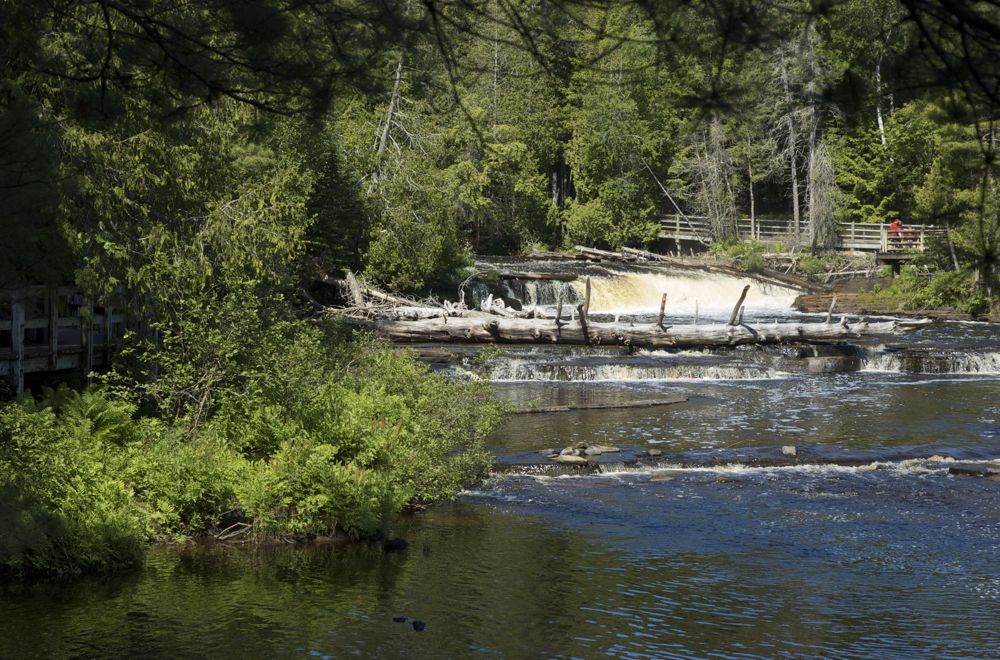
{"x": 919, "y": 362}
{"x": 519, "y": 370}
{"x": 713, "y": 293}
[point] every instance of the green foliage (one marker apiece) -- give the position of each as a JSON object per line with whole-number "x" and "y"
{"x": 65, "y": 506}
{"x": 339, "y": 437}
{"x": 747, "y": 255}
{"x": 183, "y": 484}
{"x": 912, "y": 290}
{"x": 348, "y": 451}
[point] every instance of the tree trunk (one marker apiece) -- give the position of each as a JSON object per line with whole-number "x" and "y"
{"x": 792, "y": 150}
{"x": 878, "y": 101}
{"x": 754, "y": 232}
{"x": 384, "y": 134}
{"x": 545, "y": 331}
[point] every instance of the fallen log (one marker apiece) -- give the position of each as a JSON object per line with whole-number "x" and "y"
{"x": 594, "y": 253}
{"x": 540, "y": 331}
{"x": 646, "y": 255}
{"x": 518, "y": 275}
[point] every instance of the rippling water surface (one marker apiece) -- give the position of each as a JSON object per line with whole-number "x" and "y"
{"x": 868, "y": 546}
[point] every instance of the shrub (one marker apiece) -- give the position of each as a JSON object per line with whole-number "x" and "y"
{"x": 748, "y": 256}
{"x": 359, "y": 445}
{"x": 64, "y": 504}
{"x": 327, "y": 435}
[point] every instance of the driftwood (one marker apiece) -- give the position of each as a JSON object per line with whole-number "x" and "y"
{"x": 594, "y": 253}
{"x": 518, "y": 275}
{"x": 644, "y": 255}
{"x": 371, "y": 303}
{"x": 633, "y": 256}
{"x": 404, "y": 321}
{"x": 535, "y": 331}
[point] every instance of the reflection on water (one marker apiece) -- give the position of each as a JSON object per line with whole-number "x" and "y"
{"x": 891, "y": 559}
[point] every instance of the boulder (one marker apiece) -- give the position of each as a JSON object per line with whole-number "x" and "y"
{"x": 833, "y": 364}
{"x": 570, "y": 459}
{"x": 975, "y": 469}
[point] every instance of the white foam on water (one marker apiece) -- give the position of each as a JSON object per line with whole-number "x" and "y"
{"x": 932, "y": 465}
{"x": 713, "y": 294}
{"x": 953, "y": 362}
{"x": 514, "y": 370}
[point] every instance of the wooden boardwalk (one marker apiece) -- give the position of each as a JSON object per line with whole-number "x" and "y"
{"x": 857, "y": 236}
{"x": 46, "y": 329}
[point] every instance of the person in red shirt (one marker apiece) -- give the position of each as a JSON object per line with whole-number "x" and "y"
{"x": 895, "y": 227}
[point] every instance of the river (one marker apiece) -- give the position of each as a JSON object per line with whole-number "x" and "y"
{"x": 865, "y": 545}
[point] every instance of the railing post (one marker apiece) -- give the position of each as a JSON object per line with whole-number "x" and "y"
{"x": 884, "y": 238}
{"x": 107, "y": 331}
{"x": 53, "y": 328}
{"x": 17, "y": 344}
{"x": 87, "y": 338}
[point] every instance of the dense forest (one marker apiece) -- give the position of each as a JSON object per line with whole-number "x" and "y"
{"x": 203, "y": 162}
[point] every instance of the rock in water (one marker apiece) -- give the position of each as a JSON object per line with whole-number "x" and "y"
{"x": 399, "y": 619}
{"x": 418, "y": 625}
{"x": 570, "y": 459}
{"x": 395, "y": 545}
{"x": 975, "y": 469}
{"x": 833, "y": 365}
{"x": 654, "y": 452}
{"x": 789, "y": 450}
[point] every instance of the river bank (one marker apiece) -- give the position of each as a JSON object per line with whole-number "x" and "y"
{"x": 722, "y": 544}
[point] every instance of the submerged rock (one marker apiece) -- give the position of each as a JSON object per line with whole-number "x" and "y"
{"x": 395, "y": 545}
{"x": 833, "y": 364}
{"x": 418, "y": 625}
{"x": 975, "y": 469}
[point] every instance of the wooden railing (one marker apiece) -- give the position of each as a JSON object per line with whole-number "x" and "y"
{"x": 850, "y": 235}
{"x": 53, "y": 329}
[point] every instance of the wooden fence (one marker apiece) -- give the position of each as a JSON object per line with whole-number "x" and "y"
{"x": 54, "y": 329}
{"x": 850, "y": 235}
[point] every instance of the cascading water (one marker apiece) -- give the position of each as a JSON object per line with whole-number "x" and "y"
{"x": 545, "y": 293}
{"x": 711, "y": 294}
{"x": 956, "y": 362}
{"x": 588, "y": 368}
